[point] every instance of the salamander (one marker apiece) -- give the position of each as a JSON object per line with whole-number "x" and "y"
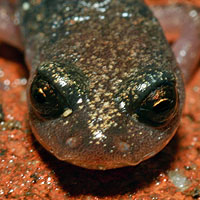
{"x": 105, "y": 90}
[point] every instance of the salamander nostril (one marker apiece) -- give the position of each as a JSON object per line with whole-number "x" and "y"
{"x": 123, "y": 146}
{"x": 73, "y": 142}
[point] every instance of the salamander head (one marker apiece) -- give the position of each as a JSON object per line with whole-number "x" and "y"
{"x": 104, "y": 119}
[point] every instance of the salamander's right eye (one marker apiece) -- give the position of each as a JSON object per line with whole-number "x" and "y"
{"x": 46, "y": 99}
{"x": 150, "y": 96}
{"x": 159, "y": 106}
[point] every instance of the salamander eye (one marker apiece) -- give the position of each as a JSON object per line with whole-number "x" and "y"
{"x": 57, "y": 89}
{"x": 159, "y": 106}
{"x": 45, "y": 98}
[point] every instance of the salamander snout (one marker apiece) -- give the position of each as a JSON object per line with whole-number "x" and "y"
{"x": 102, "y": 124}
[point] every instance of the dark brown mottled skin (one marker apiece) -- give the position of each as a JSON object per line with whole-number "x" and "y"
{"x": 103, "y": 58}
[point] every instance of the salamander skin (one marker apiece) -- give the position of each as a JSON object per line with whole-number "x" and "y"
{"x": 104, "y": 88}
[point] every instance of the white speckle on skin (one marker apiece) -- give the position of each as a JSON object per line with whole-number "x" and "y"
{"x": 99, "y": 135}
{"x": 81, "y": 18}
{"x": 67, "y": 33}
{"x": 122, "y": 105}
{"x": 54, "y": 34}
{"x": 101, "y": 17}
{"x": 125, "y": 14}
{"x": 80, "y": 101}
{"x": 159, "y": 138}
{"x": 67, "y": 8}
{"x": 62, "y": 82}
{"x": 142, "y": 86}
{"x": 100, "y": 6}
{"x": 67, "y": 112}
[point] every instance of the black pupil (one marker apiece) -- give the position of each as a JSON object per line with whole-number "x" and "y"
{"x": 162, "y": 99}
{"x": 162, "y": 107}
{"x": 45, "y": 99}
{"x": 44, "y": 92}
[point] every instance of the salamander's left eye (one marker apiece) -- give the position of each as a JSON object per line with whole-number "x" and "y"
{"x": 159, "y": 106}
{"x": 45, "y": 98}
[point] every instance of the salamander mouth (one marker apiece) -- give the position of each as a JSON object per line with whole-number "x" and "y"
{"x": 97, "y": 162}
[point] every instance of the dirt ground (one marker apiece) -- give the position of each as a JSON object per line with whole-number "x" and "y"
{"x": 27, "y": 171}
